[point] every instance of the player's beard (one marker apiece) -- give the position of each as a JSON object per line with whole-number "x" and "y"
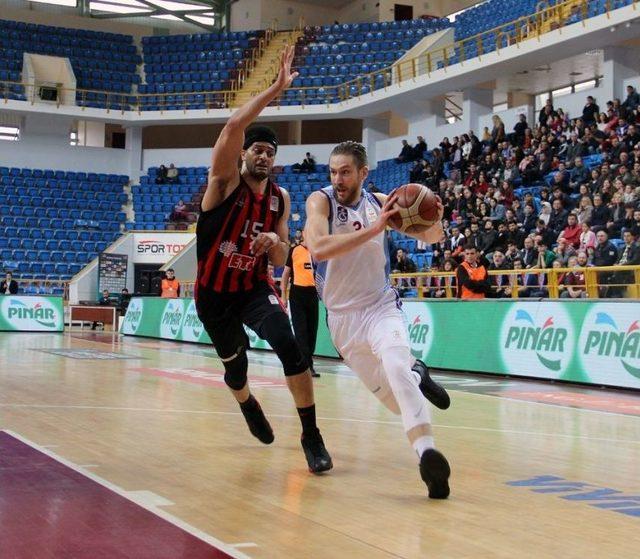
{"x": 349, "y": 196}
{"x": 258, "y": 173}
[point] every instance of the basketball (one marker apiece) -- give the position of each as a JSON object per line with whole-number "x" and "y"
{"x": 418, "y": 207}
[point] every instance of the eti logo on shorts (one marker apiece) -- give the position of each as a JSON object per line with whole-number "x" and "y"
{"x": 30, "y": 313}
{"x": 191, "y": 327}
{"x": 609, "y": 345}
{"x": 539, "y": 346}
{"x": 171, "y": 320}
{"x": 133, "y": 318}
{"x": 420, "y": 329}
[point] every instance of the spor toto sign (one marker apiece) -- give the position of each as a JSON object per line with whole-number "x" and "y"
{"x": 537, "y": 340}
{"x": 609, "y": 345}
{"x": 171, "y": 320}
{"x": 420, "y": 330}
{"x": 133, "y": 317}
{"x": 30, "y": 313}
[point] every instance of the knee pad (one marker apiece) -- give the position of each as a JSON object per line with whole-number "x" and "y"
{"x": 235, "y": 369}
{"x": 276, "y": 330}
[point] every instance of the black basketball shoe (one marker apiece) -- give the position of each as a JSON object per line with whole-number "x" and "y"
{"x": 432, "y": 391}
{"x": 316, "y": 454}
{"x": 435, "y": 472}
{"x": 257, "y": 422}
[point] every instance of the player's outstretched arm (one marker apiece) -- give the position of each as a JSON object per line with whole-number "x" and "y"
{"x": 324, "y": 246}
{"x": 224, "y": 175}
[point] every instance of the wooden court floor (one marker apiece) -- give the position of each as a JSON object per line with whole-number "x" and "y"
{"x": 539, "y": 470}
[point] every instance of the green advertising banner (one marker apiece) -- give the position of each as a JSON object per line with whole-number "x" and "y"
{"x": 177, "y": 319}
{"x": 590, "y": 342}
{"x": 31, "y": 314}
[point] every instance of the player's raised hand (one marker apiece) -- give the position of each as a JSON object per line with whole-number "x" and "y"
{"x": 285, "y": 75}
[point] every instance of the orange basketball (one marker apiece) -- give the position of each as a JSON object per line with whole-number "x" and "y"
{"x": 418, "y": 207}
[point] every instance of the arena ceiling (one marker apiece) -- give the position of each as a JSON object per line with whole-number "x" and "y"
{"x": 204, "y": 13}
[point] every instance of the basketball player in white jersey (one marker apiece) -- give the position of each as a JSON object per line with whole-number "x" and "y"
{"x": 345, "y": 233}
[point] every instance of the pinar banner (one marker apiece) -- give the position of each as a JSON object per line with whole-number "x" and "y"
{"x": 31, "y": 314}
{"x": 587, "y": 342}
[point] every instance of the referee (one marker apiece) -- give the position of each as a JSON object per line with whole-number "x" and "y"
{"x": 304, "y": 300}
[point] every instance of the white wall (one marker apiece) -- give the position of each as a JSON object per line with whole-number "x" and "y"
{"x": 287, "y": 155}
{"x": 573, "y": 103}
{"x": 44, "y": 144}
{"x": 246, "y": 15}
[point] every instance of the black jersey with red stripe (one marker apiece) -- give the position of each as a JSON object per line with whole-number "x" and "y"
{"x": 224, "y": 234}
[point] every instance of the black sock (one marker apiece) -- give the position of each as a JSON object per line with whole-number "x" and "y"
{"x": 249, "y": 404}
{"x": 308, "y": 420}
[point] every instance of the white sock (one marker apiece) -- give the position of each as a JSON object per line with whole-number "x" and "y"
{"x": 423, "y": 443}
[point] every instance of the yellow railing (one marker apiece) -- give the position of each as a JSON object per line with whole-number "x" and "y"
{"x": 530, "y": 27}
{"x": 600, "y": 282}
{"x": 603, "y": 282}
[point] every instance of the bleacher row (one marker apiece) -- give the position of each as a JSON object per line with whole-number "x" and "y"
{"x": 53, "y": 222}
{"x": 153, "y": 203}
{"x": 183, "y": 64}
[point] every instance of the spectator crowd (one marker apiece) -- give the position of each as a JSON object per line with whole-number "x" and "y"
{"x": 560, "y": 192}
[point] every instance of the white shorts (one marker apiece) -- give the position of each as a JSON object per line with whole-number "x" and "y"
{"x": 361, "y": 336}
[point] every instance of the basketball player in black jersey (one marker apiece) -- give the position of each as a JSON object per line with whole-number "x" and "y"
{"x": 242, "y": 227}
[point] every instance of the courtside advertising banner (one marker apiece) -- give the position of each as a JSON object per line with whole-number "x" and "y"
{"x": 31, "y": 314}
{"x": 589, "y": 342}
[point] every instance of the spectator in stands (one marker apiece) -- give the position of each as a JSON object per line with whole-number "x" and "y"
{"x": 297, "y": 238}
{"x": 170, "y": 286}
{"x": 419, "y": 148}
{"x": 519, "y": 129}
{"x": 571, "y": 233}
{"x": 632, "y": 101}
{"x": 180, "y": 212}
{"x": 605, "y": 254}
{"x": 500, "y": 282}
{"x": 545, "y": 255}
{"x": 471, "y": 277}
{"x": 579, "y": 174}
{"x": 574, "y": 281}
{"x": 528, "y": 254}
{"x": 161, "y": 175}
{"x": 558, "y": 217}
{"x": 8, "y": 286}
{"x": 563, "y": 251}
{"x": 446, "y": 285}
{"x": 585, "y": 209}
{"x": 635, "y": 226}
{"x": 498, "y": 134}
{"x": 371, "y": 187}
{"x": 406, "y": 153}
{"x": 308, "y": 165}
{"x": 404, "y": 265}
{"x": 488, "y": 239}
{"x": 601, "y": 214}
{"x": 172, "y": 174}
{"x": 629, "y": 256}
{"x": 546, "y": 113}
{"x": 587, "y": 236}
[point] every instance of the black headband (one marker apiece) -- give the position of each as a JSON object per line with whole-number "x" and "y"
{"x": 260, "y": 134}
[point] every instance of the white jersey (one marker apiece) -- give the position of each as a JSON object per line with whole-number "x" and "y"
{"x": 359, "y": 278}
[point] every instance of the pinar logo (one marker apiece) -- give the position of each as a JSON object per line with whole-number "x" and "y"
{"x": 610, "y": 343}
{"x": 172, "y": 319}
{"x": 420, "y": 330}
{"x": 30, "y": 313}
{"x": 154, "y": 246}
{"x": 537, "y": 340}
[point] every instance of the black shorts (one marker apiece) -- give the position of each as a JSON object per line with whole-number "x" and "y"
{"x": 224, "y": 314}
